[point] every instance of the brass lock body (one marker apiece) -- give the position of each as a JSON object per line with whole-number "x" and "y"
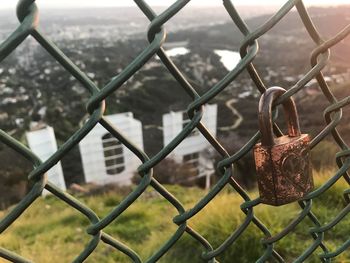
{"x": 283, "y": 165}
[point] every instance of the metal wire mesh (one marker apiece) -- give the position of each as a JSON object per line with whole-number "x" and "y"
{"x": 27, "y": 13}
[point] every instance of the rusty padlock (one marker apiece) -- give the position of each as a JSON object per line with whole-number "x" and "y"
{"x": 283, "y": 164}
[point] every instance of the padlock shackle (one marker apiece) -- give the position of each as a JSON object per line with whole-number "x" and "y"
{"x": 265, "y": 115}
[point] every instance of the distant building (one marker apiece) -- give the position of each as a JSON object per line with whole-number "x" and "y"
{"x": 191, "y": 150}
{"x": 42, "y": 142}
{"x": 105, "y": 160}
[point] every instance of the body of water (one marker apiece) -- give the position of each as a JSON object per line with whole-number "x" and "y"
{"x": 228, "y": 58}
{"x": 177, "y": 51}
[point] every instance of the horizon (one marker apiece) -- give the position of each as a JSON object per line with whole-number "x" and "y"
{"x": 65, "y": 4}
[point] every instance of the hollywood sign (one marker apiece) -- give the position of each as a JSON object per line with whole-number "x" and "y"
{"x": 105, "y": 160}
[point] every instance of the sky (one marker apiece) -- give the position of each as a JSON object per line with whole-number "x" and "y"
{"x": 5, "y": 4}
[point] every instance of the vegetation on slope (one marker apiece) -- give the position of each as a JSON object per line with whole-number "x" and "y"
{"x": 51, "y": 231}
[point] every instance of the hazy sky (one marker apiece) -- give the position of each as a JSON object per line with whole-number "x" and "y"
{"x": 102, "y": 3}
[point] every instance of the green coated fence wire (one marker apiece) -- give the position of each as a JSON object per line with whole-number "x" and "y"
{"x": 28, "y": 15}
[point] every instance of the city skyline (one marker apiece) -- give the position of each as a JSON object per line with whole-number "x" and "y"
{"x": 112, "y": 3}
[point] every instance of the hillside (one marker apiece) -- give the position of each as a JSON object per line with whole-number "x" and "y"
{"x": 51, "y": 226}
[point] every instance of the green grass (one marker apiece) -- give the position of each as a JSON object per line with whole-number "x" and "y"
{"x": 51, "y": 231}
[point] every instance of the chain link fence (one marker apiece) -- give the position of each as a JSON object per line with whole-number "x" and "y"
{"x": 28, "y": 14}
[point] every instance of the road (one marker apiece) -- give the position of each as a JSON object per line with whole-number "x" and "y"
{"x": 239, "y": 117}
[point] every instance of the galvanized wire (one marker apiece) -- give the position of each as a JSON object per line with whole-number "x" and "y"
{"x": 28, "y": 14}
